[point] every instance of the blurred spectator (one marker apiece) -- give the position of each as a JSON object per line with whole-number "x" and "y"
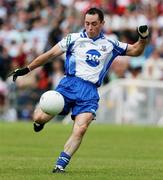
{"x": 133, "y": 94}
{"x": 7, "y": 113}
{"x": 5, "y": 63}
{"x": 43, "y": 81}
{"x": 19, "y": 60}
{"x": 54, "y": 36}
{"x": 118, "y": 68}
{"x": 58, "y": 72}
{"x": 135, "y": 67}
{"x": 153, "y": 67}
{"x": 159, "y": 42}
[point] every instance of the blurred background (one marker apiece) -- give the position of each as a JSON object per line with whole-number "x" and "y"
{"x": 132, "y": 91}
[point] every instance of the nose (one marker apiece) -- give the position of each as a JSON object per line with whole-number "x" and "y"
{"x": 90, "y": 27}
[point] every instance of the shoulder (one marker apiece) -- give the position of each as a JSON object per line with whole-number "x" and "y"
{"x": 71, "y": 37}
{"x": 115, "y": 42}
{"x": 117, "y": 45}
{"x": 68, "y": 40}
{"x": 111, "y": 39}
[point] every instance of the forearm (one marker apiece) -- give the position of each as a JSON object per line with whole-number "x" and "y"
{"x": 39, "y": 61}
{"x": 139, "y": 47}
{"x": 44, "y": 58}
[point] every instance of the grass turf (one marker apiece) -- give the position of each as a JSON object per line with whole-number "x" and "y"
{"x": 107, "y": 152}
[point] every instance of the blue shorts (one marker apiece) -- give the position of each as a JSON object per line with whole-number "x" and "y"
{"x": 80, "y": 96}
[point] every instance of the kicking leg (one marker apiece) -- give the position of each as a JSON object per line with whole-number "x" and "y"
{"x": 80, "y": 126}
{"x": 40, "y": 118}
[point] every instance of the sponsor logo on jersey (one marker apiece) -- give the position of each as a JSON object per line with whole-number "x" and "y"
{"x": 92, "y": 57}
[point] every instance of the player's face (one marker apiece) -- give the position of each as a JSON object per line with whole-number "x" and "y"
{"x": 93, "y": 25}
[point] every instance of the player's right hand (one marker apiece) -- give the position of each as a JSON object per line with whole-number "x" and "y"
{"x": 143, "y": 31}
{"x": 19, "y": 72}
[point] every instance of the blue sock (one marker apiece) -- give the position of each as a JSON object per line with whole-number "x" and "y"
{"x": 63, "y": 160}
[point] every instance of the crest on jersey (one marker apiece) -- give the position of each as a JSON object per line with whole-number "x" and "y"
{"x": 103, "y": 48}
{"x": 92, "y": 57}
{"x": 82, "y": 45}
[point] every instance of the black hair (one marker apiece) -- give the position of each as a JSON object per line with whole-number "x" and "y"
{"x": 93, "y": 11}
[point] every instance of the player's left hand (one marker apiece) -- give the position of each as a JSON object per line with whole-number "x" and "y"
{"x": 143, "y": 31}
{"x": 19, "y": 72}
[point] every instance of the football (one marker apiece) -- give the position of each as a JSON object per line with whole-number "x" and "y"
{"x": 51, "y": 102}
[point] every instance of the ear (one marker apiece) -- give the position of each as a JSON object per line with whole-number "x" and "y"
{"x": 103, "y": 22}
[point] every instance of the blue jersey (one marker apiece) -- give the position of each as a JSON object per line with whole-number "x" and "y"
{"x": 90, "y": 59}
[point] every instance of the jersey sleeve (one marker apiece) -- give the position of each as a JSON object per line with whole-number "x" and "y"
{"x": 119, "y": 47}
{"x": 66, "y": 41}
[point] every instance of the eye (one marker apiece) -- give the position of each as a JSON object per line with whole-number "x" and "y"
{"x": 94, "y": 24}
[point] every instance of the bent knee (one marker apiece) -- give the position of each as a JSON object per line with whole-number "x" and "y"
{"x": 37, "y": 117}
{"x": 41, "y": 117}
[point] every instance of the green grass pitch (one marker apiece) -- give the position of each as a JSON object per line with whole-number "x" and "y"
{"x": 108, "y": 152}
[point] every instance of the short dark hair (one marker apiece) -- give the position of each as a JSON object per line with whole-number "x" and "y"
{"x": 94, "y": 10}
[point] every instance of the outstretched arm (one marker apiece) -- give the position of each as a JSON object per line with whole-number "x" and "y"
{"x": 43, "y": 58}
{"x": 39, "y": 61}
{"x": 137, "y": 48}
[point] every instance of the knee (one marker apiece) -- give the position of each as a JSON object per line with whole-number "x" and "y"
{"x": 80, "y": 131}
{"x": 37, "y": 117}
